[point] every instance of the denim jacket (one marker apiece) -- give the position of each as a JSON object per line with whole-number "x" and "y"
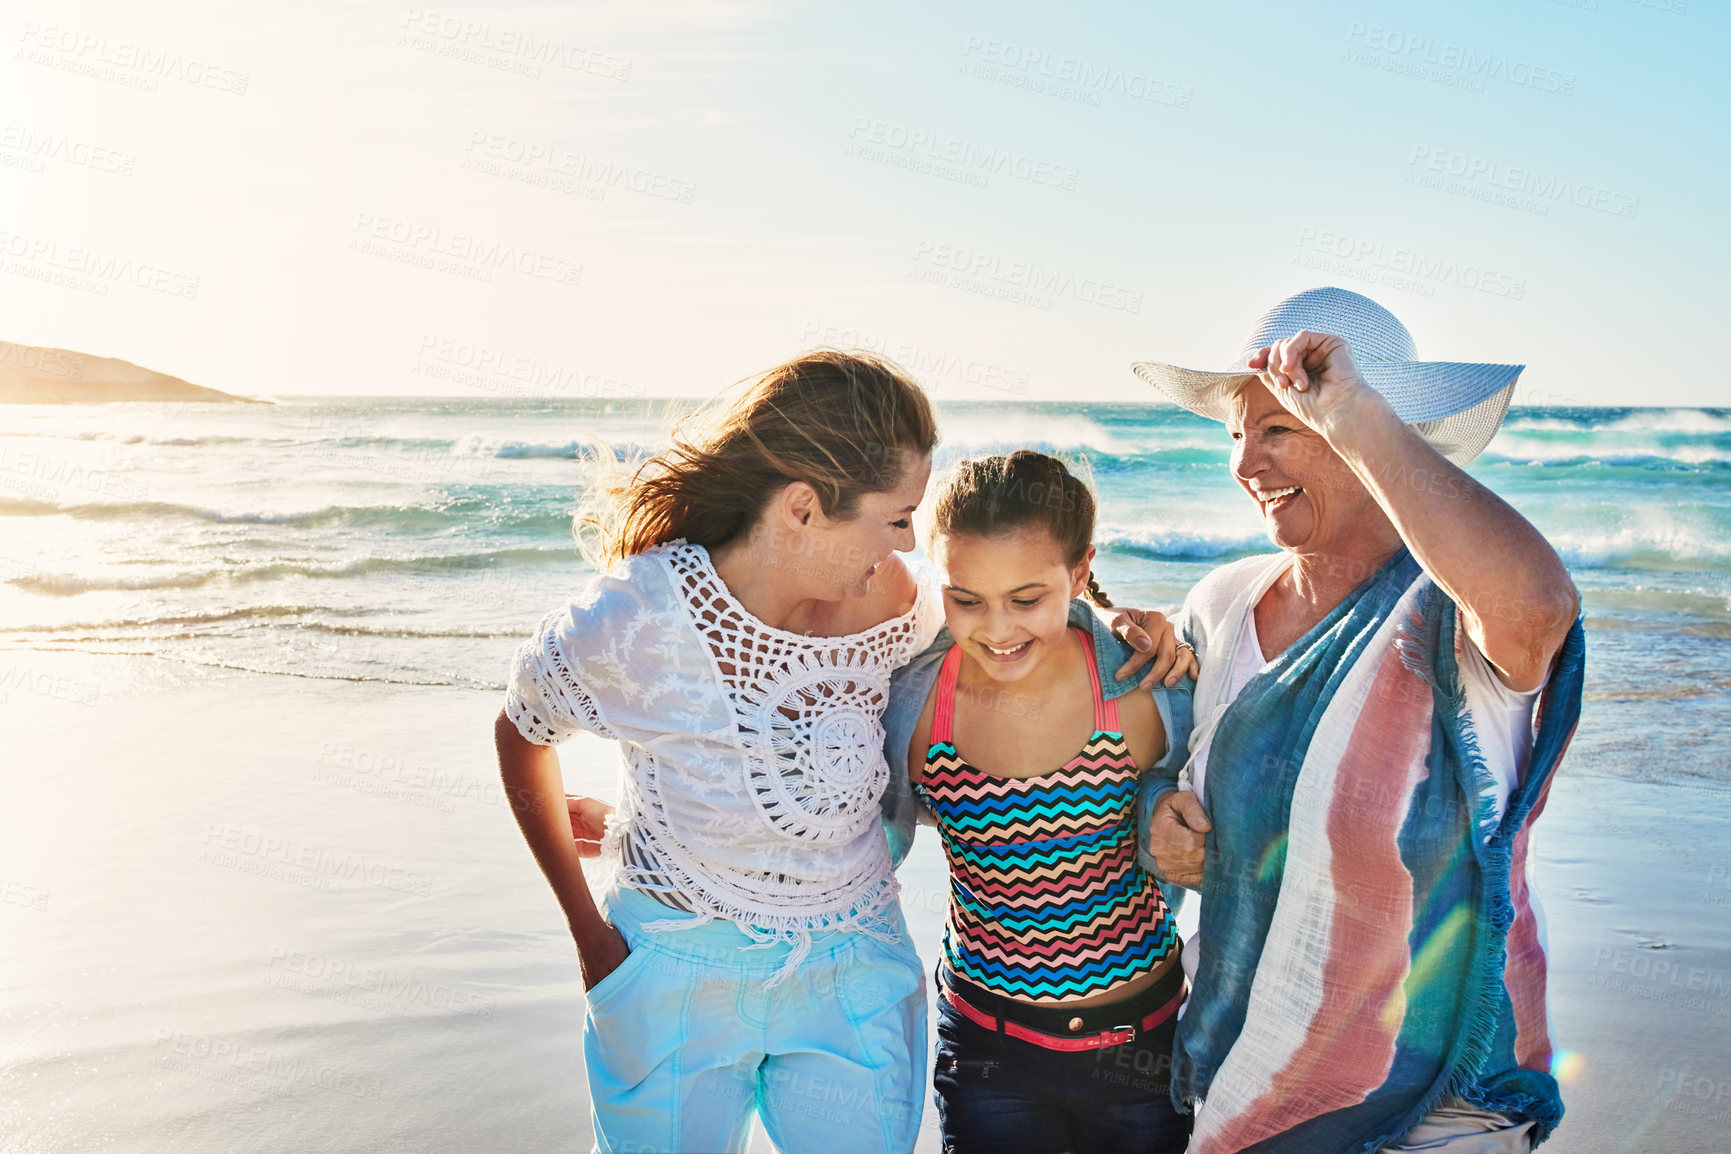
{"x": 912, "y": 685}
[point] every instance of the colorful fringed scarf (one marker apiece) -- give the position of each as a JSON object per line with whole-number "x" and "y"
{"x": 1367, "y": 940}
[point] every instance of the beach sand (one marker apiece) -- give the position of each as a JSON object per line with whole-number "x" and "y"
{"x": 258, "y": 913}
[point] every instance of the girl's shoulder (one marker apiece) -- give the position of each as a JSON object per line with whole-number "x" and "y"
{"x": 1138, "y": 714}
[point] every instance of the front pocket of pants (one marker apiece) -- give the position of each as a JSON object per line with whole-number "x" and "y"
{"x": 603, "y": 991}
{"x": 637, "y": 1023}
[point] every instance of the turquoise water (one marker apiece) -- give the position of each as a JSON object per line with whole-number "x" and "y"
{"x": 412, "y": 540}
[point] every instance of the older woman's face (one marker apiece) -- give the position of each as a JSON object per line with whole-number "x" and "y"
{"x": 1310, "y": 500}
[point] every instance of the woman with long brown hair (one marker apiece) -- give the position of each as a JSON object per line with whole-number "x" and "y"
{"x": 748, "y": 951}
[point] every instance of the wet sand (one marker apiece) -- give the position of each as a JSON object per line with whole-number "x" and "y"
{"x": 257, "y": 913}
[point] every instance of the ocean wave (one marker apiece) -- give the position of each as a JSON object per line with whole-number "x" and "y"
{"x": 622, "y": 444}
{"x": 1181, "y": 544}
{"x": 26, "y": 507}
{"x": 1168, "y": 459}
{"x": 1617, "y": 420}
{"x": 530, "y": 450}
{"x": 402, "y": 518}
{"x": 407, "y": 516}
{"x": 182, "y": 442}
{"x": 1689, "y": 436}
{"x": 971, "y": 432}
{"x": 58, "y": 435}
{"x": 1700, "y": 455}
{"x": 1655, "y": 545}
{"x": 394, "y": 674}
{"x": 1671, "y": 421}
{"x": 1644, "y": 600}
{"x": 245, "y": 613}
{"x": 286, "y": 440}
{"x": 976, "y": 433}
{"x": 1543, "y": 425}
{"x": 71, "y": 584}
{"x": 188, "y": 627}
{"x": 1656, "y": 458}
{"x": 146, "y": 439}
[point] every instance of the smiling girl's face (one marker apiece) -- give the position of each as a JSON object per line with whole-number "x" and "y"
{"x": 1007, "y": 597}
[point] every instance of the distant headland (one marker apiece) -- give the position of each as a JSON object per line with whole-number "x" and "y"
{"x": 33, "y": 375}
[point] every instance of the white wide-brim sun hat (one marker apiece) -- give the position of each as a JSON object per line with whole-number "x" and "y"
{"x": 1455, "y": 406}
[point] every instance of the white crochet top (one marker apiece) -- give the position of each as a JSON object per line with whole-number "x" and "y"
{"x": 752, "y": 758}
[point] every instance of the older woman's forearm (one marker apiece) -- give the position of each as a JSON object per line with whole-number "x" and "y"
{"x": 1515, "y": 594}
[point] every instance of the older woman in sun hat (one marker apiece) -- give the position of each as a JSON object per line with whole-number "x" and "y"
{"x": 1381, "y": 708}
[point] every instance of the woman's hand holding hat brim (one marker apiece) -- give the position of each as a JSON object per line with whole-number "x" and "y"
{"x": 1312, "y": 374}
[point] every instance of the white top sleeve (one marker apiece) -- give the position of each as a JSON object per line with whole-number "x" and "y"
{"x": 543, "y": 698}
{"x": 620, "y": 661}
{"x": 1247, "y": 662}
{"x": 1502, "y": 719}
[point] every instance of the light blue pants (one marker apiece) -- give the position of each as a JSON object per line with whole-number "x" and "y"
{"x": 683, "y": 1043}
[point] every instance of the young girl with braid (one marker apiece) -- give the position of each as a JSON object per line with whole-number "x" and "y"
{"x": 1060, "y": 981}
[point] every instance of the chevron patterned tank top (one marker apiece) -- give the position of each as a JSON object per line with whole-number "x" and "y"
{"x": 1047, "y": 901}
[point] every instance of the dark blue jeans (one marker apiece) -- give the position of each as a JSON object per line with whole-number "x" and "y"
{"x": 1002, "y": 1095}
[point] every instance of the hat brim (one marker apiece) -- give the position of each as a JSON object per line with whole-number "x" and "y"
{"x": 1456, "y": 406}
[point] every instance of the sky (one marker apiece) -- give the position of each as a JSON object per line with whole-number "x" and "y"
{"x": 1014, "y": 200}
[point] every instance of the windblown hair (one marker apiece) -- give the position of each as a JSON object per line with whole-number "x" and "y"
{"x": 987, "y": 496}
{"x": 844, "y": 423}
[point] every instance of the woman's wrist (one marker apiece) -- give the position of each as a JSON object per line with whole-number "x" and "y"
{"x": 592, "y": 933}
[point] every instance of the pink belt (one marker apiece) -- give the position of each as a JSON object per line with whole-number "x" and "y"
{"x": 1116, "y": 1036}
